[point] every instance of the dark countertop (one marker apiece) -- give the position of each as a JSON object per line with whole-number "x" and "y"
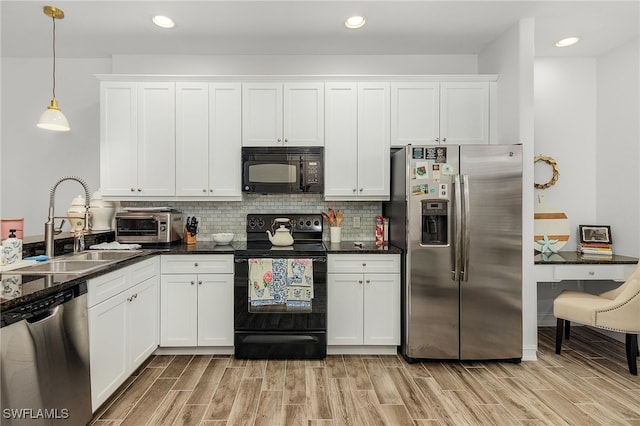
{"x": 18, "y": 290}
{"x": 368, "y": 247}
{"x": 575, "y": 258}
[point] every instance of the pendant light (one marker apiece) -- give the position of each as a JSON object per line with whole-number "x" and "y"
{"x": 52, "y": 118}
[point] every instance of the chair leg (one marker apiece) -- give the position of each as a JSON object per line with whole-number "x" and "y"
{"x": 631, "y": 344}
{"x": 567, "y": 328}
{"x": 559, "y": 327}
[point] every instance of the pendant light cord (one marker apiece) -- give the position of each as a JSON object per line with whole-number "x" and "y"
{"x": 54, "y": 57}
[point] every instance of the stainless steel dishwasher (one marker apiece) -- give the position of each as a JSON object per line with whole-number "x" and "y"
{"x": 45, "y": 361}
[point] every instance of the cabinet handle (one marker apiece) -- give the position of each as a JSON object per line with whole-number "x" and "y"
{"x": 364, "y": 265}
{"x": 129, "y": 299}
{"x": 279, "y": 140}
{"x": 359, "y": 281}
{"x": 139, "y": 190}
{"x": 444, "y": 139}
{"x": 204, "y": 190}
{"x": 195, "y": 264}
{"x": 368, "y": 281}
{"x": 199, "y": 282}
{"x": 286, "y": 140}
{"x": 591, "y": 273}
{"x": 192, "y": 282}
{"x": 133, "y": 190}
{"x": 211, "y": 190}
{"x": 361, "y": 189}
{"x": 354, "y": 190}
{"x": 437, "y": 139}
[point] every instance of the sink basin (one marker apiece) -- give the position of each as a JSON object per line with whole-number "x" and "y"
{"x": 103, "y": 255}
{"x": 62, "y": 266}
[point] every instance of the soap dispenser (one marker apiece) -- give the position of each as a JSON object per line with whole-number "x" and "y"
{"x": 12, "y": 248}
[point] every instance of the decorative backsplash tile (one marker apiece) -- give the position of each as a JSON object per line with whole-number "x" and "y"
{"x": 231, "y": 216}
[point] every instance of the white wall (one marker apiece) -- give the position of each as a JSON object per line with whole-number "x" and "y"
{"x": 565, "y": 129}
{"x": 34, "y": 159}
{"x": 511, "y": 56}
{"x": 294, "y": 64}
{"x": 618, "y": 146}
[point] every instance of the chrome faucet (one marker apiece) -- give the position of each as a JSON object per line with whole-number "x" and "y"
{"x": 49, "y": 226}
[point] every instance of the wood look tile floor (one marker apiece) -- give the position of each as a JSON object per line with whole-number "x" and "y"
{"x": 588, "y": 384}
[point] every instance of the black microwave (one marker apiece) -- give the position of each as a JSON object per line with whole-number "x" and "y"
{"x": 283, "y": 170}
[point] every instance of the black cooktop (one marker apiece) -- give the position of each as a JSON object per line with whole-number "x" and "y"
{"x": 306, "y": 230}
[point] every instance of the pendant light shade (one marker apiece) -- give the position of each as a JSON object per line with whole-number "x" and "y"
{"x": 52, "y": 118}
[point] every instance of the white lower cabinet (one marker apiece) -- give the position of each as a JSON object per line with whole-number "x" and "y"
{"x": 123, "y": 326}
{"x": 196, "y": 300}
{"x": 363, "y": 308}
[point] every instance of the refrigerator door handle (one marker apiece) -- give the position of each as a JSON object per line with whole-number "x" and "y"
{"x": 465, "y": 228}
{"x": 457, "y": 242}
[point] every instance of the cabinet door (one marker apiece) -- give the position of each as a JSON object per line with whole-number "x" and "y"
{"x": 373, "y": 141}
{"x": 156, "y": 139}
{"x": 464, "y": 113}
{"x": 261, "y": 114}
{"x": 215, "y": 310}
{"x": 118, "y": 138}
{"x": 107, "y": 348}
{"x": 341, "y": 145}
{"x": 192, "y": 139}
{"x": 382, "y": 309}
{"x": 344, "y": 309}
{"x": 303, "y": 114}
{"x": 178, "y": 310}
{"x": 225, "y": 140}
{"x": 415, "y": 113}
{"x": 143, "y": 321}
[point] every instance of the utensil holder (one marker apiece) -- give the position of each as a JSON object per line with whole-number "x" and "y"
{"x": 335, "y": 234}
{"x": 190, "y": 239}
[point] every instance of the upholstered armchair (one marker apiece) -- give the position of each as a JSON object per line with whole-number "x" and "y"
{"x": 615, "y": 310}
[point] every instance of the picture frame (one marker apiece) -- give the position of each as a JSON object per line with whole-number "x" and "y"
{"x": 594, "y": 234}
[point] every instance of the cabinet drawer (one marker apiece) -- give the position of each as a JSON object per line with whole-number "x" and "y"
{"x": 589, "y": 272}
{"x": 364, "y": 263}
{"x": 197, "y": 264}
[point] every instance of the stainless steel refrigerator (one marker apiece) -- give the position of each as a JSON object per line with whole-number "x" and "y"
{"x": 457, "y": 213}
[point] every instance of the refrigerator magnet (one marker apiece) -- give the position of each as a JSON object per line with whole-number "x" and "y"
{"x": 444, "y": 192}
{"x": 422, "y": 170}
{"x": 420, "y": 189}
{"x": 417, "y": 153}
{"x": 446, "y": 169}
{"x": 435, "y": 172}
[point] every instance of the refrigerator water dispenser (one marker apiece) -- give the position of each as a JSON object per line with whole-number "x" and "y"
{"x": 435, "y": 223}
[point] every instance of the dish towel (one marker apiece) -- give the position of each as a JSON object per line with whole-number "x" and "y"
{"x": 114, "y": 245}
{"x": 280, "y": 282}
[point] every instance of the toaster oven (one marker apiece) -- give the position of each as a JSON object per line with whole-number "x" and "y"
{"x": 148, "y": 227}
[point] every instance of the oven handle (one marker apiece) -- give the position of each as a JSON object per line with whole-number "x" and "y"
{"x": 315, "y": 259}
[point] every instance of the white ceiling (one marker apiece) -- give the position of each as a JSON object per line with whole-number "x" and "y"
{"x": 209, "y": 27}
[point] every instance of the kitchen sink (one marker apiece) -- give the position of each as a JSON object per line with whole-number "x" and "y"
{"x": 103, "y": 255}
{"x": 62, "y": 266}
{"x": 78, "y": 263}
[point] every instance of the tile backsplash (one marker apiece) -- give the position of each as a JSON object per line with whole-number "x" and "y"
{"x": 231, "y": 216}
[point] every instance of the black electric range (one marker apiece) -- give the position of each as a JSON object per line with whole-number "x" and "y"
{"x": 272, "y": 319}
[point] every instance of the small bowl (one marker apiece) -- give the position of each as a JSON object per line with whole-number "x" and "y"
{"x": 223, "y": 237}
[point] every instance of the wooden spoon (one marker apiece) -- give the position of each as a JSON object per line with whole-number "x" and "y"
{"x": 339, "y": 216}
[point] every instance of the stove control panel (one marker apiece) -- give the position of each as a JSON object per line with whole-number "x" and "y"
{"x": 297, "y": 222}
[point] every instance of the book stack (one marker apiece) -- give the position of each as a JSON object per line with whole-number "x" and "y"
{"x": 595, "y": 250}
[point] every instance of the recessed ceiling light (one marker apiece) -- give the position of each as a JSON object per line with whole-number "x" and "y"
{"x": 163, "y": 21}
{"x": 566, "y": 42}
{"x": 355, "y": 22}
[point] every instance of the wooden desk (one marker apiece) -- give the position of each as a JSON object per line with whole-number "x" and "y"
{"x": 569, "y": 265}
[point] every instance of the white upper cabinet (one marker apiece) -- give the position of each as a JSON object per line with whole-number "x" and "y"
{"x": 441, "y": 113}
{"x": 137, "y": 139}
{"x": 208, "y": 140}
{"x": 277, "y": 114}
{"x": 357, "y": 141}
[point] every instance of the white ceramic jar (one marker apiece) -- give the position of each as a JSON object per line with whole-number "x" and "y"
{"x": 75, "y": 214}
{"x": 102, "y": 213}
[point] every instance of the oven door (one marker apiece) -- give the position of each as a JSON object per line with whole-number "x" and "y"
{"x": 137, "y": 228}
{"x": 273, "y": 174}
{"x": 280, "y": 330}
